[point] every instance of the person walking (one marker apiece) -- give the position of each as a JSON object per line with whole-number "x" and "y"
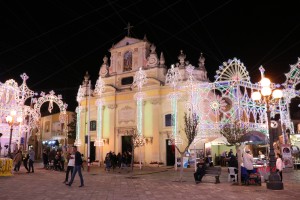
{"x": 70, "y": 168}
{"x": 77, "y": 168}
{"x": 31, "y": 160}
{"x": 279, "y": 165}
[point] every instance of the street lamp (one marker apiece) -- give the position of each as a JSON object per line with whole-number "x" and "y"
{"x": 10, "y": 121}
{"x": 270, "y": 96}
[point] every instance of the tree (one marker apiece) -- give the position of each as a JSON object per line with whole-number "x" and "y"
{"x": 72, "y": 128}
{"x": 234, "y": 134}
{"x": 191, "y": 122}
{"x": 136, "y": 141}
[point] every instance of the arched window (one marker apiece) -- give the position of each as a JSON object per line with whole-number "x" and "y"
{"x": 127, "y": 65}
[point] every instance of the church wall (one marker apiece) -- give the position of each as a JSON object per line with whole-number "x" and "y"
{"x": 164, "y": 132}
{"x": 148, "y": 129}
{"x": 82, "y": 147}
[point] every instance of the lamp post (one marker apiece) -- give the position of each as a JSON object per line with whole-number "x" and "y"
{"x": 10, "y": 121}
{"x": 270, "y": 96}
{"x": 0, "y": 144}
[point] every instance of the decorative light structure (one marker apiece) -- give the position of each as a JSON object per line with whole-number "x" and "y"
{"x": 140, "y": 78}
{"x": 173, "y": 78}
{"x": 99, "y": 88}
{"x": 269, "y": 96}
{"x": 192, "y": 104}
{"x": 78, "y": 140}
{"x": 13, "y": 97}
{"x": 79, "y": 98}
{"x": 10, "y": 120}
{"x": 192, "y": 86}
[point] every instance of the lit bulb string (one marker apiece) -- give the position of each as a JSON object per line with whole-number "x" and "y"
{"x": 139, "y": 103}
{"x": 78, "y": 142}
{"x": 174, "y": 116}
{"x": 99, "y": 122}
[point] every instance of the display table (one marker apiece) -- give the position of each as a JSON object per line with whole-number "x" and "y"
{"x": 6, "y": 165}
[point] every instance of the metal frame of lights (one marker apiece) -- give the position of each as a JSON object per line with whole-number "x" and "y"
{"x": 78, "y": 141}
{"x": 99, "y": 141}
{"x": 173, "y": 79}
{"x": 270, "y": 96}
{"x": 99, "y": 88}
{"x": 79, "y": 98}
{"x": 140, "y": 78}
{"x": 226, "y": 99}
{"x": 13, "y": 97}
{"x": 52, "y": 98}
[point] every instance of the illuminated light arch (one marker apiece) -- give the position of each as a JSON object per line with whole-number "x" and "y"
{"x": 24, "y": 92}
{"x": 232, "y": 70}
{"x": 52, "y": 98}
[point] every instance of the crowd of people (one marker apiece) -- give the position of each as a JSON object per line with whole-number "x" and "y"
{"x": 54, "y": 159}
{"x": 246, "y": 165}
{"x": 112, "y": 160}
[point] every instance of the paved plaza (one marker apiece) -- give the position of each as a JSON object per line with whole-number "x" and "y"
{"x": 147, "y": 184}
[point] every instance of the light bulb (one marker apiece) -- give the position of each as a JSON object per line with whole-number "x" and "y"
{"x": 9, "y": 119}
{"x": 265, "y": 82}
{"x": 256, "y": 96}
{"x": 13, "y": 113}
{"x": 266, "y": 91}
{"x": 277, "y": 94}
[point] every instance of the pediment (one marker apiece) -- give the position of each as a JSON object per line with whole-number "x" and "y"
{"x": 126, "y": 41}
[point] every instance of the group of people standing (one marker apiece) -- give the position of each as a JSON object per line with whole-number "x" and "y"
{"x": 55, "y": 159}
{"x": 19, "y": 157}
{"x": 121, "y": 160}
{"x": 248, "y": 163}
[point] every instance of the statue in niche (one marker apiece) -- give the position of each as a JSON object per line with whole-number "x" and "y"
{"x": 127, "y": 61}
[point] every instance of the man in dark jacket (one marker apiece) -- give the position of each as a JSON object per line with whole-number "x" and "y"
{"x": 78, "y": 164}
{"x": 200, "y": 172}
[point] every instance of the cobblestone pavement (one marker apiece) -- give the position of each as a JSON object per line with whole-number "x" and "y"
{"x": 148, "y": 184}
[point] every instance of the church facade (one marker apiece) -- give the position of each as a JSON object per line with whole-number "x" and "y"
{"x": 119, "y": 108}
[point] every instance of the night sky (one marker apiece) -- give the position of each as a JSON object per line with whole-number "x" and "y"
{"x": 55, "y": 42}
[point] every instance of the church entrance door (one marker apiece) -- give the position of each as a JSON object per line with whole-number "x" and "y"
{"x": 126, "y": 144}
{"x": 170, "y": 151}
